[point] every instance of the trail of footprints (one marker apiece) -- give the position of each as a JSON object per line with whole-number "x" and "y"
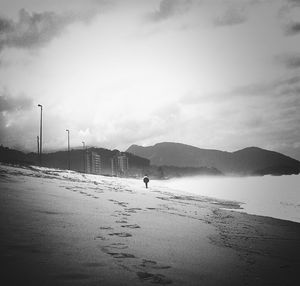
{"x": 80, "y": 190}
{"x": 142, "y": 267}
{"x": 145, "y": 269}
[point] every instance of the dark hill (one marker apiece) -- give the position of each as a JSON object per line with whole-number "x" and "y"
{"x": 248, "y": 161}
{"x": 60, "y": 159}
{"x": 13, "y": 156}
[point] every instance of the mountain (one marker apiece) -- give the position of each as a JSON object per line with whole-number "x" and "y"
{"x": 248, "y": 161}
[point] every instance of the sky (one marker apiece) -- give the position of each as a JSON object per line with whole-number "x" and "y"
{"x": 213, "y": 74}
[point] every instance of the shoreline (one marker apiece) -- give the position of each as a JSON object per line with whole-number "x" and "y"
{"x": 64, "y": 228}
{"x": 270, "y": 196}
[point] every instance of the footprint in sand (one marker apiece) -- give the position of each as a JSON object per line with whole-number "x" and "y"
{"x": 120, "y": 234}
{"x": 163, "y": 198}
{"x": 122, "y": 204}
{"x": 114, "y": 247}
{"x": 124, "y": 214}
{"x": 117, "y": 245}
{"x": 120, "y": 255}
{"x": 121, "y": 221}
{"x": 154, "y": 278}
{"x": 153, "y": 264}
{"x": 120, "y": 214}
{"x": 106, "y": 227}
{"x": 132, "y": 226}
{"x": 132, "y": 210}
{"x": 100, "y": 237}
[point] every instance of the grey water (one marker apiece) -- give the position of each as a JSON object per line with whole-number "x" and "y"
{"x": 272, "y": 196}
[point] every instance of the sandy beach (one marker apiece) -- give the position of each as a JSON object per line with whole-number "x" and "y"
{"x": 67, "y": 228}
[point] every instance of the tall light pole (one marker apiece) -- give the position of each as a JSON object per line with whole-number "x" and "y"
{"x": 41, "y": 133}
{"x": 68, "y": 148}
{"x": 83, "y": 145}
{"x": 38, "y": 145}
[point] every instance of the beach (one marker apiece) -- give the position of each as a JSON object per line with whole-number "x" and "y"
{"x": 60, "y": 227}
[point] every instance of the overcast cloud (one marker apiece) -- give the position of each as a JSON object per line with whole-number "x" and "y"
{"x": 169, "y": 8}
{"x": 213, "y": 74}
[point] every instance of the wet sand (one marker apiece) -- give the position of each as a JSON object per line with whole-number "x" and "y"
{"x": 65, "y": 228}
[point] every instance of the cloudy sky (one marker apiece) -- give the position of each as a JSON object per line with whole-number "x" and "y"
{"x": 214, "y": 74}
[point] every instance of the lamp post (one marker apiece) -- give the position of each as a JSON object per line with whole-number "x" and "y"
{"x": 41, "y": 134}
{"x": 83, "y": 144}
{"x": 68, "y": 148}
{"x": 38, "y": 145}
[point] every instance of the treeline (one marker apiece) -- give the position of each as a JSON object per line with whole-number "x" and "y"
{"x": 59, "y": 159}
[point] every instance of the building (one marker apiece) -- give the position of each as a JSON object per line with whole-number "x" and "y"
{"x": 119, "y": 165}
{"x": 93, "y": 163}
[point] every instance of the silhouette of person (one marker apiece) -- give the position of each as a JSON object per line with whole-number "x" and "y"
{"x": 146, "y": 180}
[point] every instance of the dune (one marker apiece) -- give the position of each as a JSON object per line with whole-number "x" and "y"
{"x": 65, "y": 228}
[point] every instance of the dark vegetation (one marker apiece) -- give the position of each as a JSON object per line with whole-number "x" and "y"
{"x": 59, "y": 159}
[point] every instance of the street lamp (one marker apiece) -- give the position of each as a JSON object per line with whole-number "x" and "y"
{"x": 41, "y": 133}
{"x": 38, "y": 145}
{"x": 68, "y": 148}
{"x": 83, "y": 143}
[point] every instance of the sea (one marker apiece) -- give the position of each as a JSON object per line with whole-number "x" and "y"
{"x": 271, "y": 196}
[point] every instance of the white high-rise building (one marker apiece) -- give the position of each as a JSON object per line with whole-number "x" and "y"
{"x": 119, "y": 165}
{"x": 93, "y": 163}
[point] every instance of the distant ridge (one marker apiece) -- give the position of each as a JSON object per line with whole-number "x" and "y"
{"x": 248, "y": 161}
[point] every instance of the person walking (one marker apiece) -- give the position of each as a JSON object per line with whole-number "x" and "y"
{"x": 146, "y": 180}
